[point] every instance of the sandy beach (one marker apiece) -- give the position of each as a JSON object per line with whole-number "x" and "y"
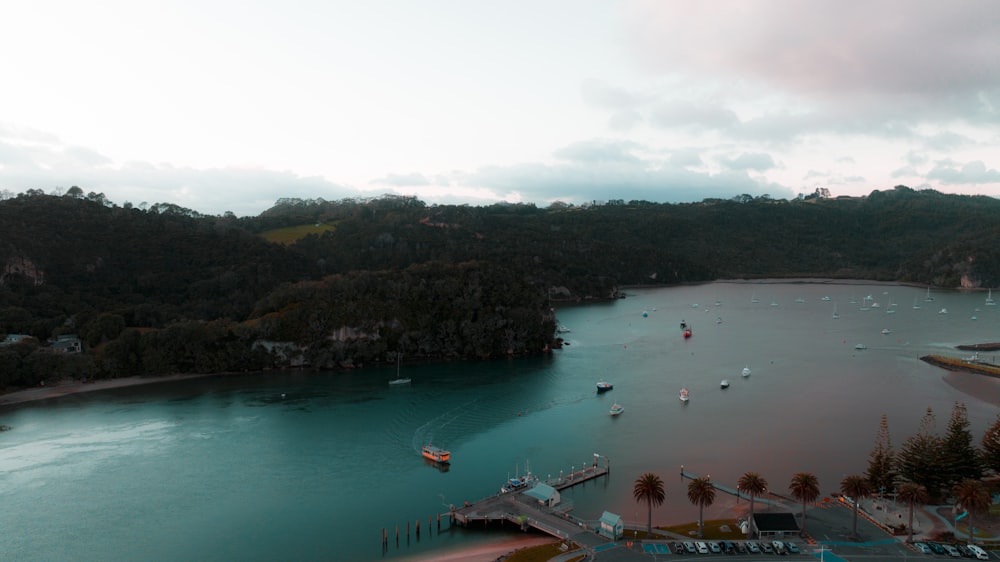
{"x": 65, "y": 388}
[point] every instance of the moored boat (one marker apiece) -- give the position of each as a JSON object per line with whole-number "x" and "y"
{"x": 724, "y": 383}
{"x": 684, "y": 395}
{"x": 604, "y": 386}
{"x": 746, "y": 371}
{"x": 616, "y": 409}
{"x": 685, "y": 329}
{"x": 436, "y": 454}
{"x": 860, "y": 346}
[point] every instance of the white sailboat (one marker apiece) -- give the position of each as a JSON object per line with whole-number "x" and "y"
{"x": 989, "y": 299}
{"x": 399, "y": 380}
{"x": 928, "y": 298}
{"x": 835, "y": 313}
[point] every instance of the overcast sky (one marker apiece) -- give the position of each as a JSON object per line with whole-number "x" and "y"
{"x": 230, "y": 105}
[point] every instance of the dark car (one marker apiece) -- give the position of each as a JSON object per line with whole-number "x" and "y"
{"x": 936, "y": 548}
{"x": 964, "y": 551}
{"x": 678, "y": 548}
{"x": 741, "y": 548}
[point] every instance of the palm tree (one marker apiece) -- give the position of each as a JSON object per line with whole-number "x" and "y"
{"x": 805, "y": 488}
{"x": 912, "y": 493}
{"x": 753, "y": 484}
{"x": 974, "y": 497}
{"x": 701, "y": 492}
{"x": 857, "y": 487}
{"x": 649, "y": 488}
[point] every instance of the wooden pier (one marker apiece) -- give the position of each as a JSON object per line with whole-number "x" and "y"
{"x": 526, "y": 511}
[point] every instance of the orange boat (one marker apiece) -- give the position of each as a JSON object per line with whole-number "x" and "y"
{"x": 436, "y": 454}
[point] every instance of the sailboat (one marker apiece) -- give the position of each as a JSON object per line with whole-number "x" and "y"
{"x": 928, "y": 298}
{"x": 989, "y": 299}
{"x": 399, "y": 380}
{"x": 916, "y": 306}
{"x": 835, "y": 313}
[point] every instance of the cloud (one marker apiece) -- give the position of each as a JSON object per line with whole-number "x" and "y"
{"x": 949, "y": 172}
{"x": 648, "y": 177}
{"x": 599, "y": 151}
{"x": 412, "y": 179}
{"x": 759, "y": 162}
{"x": 947, "y": 140}
{"x": 683, "y": 113}
{"x": 923, "y": 47}
{"x": 42, "y": 162}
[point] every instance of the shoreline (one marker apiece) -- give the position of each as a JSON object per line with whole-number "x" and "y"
{"x": 66, "y": 388}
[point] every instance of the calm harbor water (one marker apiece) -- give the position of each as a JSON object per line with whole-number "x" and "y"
{"x": 314, "y": 466}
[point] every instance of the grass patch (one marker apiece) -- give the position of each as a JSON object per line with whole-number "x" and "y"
{"x": 542, "y": 553}
{"x": 713, "y": 530}
{"x": 292, "y": 234}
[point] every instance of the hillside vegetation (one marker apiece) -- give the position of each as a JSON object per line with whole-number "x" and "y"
{"x": 342, "y": 284}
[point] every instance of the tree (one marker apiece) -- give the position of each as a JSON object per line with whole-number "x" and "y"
{"x": 961, "y": 459}
{"x": 881, "y": 461}
{"x": 920, "y": 459}
{"x": 805, "y": 488}
{"x": 649, "y": 488}
{"x": 857, "y": 487}
{"x": 912, "y": 493}
{"x": 701, "y": 492}
{"x": 991, "y": 446}
{"x": 753, "y": 484}
{"x": 974, "y": 497}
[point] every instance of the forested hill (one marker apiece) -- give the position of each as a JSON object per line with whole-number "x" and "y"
{"x": 165, "y": 289}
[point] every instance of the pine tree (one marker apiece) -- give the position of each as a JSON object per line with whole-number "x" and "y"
{"x": 961, "y": 458}
{"x": 920, "y": 460}
{"x": 882, "y": 461}
{"x": 991, "y": 447}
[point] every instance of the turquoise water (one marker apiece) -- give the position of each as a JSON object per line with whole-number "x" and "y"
{"x": 314, "y": 466}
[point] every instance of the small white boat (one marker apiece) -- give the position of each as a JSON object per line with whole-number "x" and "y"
{"x": 724, "y": 383}
{"x": 399, "y": 380}
{"x": 684, "y": 395}
{"x": 825, "y": 298}
{"x": 860, "y": 346}
{"x": 943, "y": 311}
{"x": 800, "y": 300}
{"x": 746, "y": 371}
{"x": 886, "y": 331}
{"x": 616, "y": 409}
{"x": 562, "y": 329}
{"x": 989, "y": 299}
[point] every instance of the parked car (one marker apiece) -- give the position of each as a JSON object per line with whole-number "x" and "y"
{"x": 922, "y": 547}
{"x": 964, "y": 551}
{"x": 741, "y": 548}
{"x": 702, "y": 547}
{"x": 978, "y": 552}
{"x": 952, "y": 551}
{"x": 714, "y": 547}
{"x": 779, "y": 547}
{"x": 792, "y": 547}
{"x": 936, "y": 548}
{"x": 678, "y": 548}
{"x": 753, "y": 547}
{"x": 766, "y": 547}
{"x": 689, "y": 547}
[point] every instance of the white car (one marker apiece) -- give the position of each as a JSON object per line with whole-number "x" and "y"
{"x": 978, "y": 552}
{"x": 702, "y": 547}
{"x": 922, "y": 547}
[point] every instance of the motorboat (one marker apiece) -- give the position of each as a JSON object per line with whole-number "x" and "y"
{"x": 616, "y": 409}
{"x": 724, "y": 383}
{"x": 604, "y": 386}
{"x": 519, "y": 483}
{"x": 436, "y": 454}
{"x": 860, "y": 346}
{"x": 825, "y": 298}
{"x": 685, "y": 329}
{"x": 886, "y": 331}
{"x": 746, "y": 371}
{"x": 943, "y": 311}
{"x": 684, "y": 395}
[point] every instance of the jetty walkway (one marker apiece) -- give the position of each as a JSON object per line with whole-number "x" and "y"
{"x": 524, "y": 510}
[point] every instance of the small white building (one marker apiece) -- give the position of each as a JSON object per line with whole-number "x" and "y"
{"x": 545, "y": 494}
{"x": 611, "y": 526}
